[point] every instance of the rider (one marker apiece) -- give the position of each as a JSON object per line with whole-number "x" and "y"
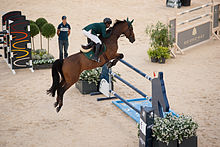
{"x": 92, "y": 31}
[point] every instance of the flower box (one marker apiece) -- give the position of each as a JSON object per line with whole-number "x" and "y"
{"x": 86, "y": 88}
{"x": 189, "y": 142}
{"x": 161, "y": 144}
{"x": 42, "y": 66}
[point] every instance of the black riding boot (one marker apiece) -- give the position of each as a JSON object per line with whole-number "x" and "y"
{"x": 97, "y": 50}
{"x": 88, "y": 46}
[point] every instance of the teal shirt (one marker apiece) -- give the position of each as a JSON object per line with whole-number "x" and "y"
{"x": 97, "y": 28}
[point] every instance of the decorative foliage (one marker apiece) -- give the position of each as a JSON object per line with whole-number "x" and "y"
{"x": 40, "y": 22}
{"x": 91, "y": 75}
{"x": 159, "y": 53}
{"x": 34, "y": 30}
{"x": 174, "y": 128}
{"x": 41, "y": 56}
{"x": 152, "y": 52}
{"x": 160, "y": 41}
{"x": 162, "y": 52}
{"x": 159, "y": 35}
{"x": 48, "y": 31}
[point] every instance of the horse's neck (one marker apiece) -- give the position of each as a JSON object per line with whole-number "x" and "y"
{"x": 116, "y": 33}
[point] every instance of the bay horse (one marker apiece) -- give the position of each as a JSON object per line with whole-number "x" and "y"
{"x": 71, "y": 67}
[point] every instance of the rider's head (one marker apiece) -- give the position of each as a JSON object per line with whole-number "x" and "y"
{"x": 107, "y": 22}
{"x": 64, "y": 19}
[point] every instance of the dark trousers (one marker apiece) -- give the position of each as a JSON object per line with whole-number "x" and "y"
{"x": 63, "y": 45}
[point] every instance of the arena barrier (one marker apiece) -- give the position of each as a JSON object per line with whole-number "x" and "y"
{"x": 132, "y": 107}
{"x": 16, "y": 41}
{"x": 199, "y": 31}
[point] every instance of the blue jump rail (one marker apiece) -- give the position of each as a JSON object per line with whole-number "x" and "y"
{"x": 125, "y": 101}
{"x": 128, "y": 84}
{"x": 137, "y": 70}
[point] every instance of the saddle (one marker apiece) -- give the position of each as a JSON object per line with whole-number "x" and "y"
{"x": 89, "y": 51}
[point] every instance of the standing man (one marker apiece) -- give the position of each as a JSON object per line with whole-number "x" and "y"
{"x": 63, "y": 31}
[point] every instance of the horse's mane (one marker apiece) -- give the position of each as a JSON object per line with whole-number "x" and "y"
{"x": 117, "y": 22}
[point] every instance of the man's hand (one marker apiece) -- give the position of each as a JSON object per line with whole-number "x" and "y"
{"x": 58, "y": 32}
{"x": 68, "y": 32}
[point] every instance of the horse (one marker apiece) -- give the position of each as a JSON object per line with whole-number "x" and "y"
{"x": 71, "y": 67}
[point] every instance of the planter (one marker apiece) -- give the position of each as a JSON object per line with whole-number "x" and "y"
{"x": 154, "y": 59}
{"x": 161, "y": 144}
{"x": 162, "y": 60}
{"x": 86, "y": 88}
{"x": 42, "y": 66}
{"x": 189, "y": 142}
{"x": 185, "y": 2}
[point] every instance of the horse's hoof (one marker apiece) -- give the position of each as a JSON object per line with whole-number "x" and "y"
{"x": 58, "y": 109}
{"x": 55, "y": 104}
{"x": 109, "y": 65}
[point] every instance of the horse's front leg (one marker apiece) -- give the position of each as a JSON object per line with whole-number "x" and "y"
{"x": 118, "y": 56}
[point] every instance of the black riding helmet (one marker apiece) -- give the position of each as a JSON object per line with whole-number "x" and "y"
{"x": 107, "y": 20}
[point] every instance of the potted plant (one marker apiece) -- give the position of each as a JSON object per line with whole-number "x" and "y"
{"x": 48, "y": 31}
{"x": 34, "y": 30}
{"x": 89, "y": 81}
{"x": 40, "y": 22}
{"x": 42, "y": 59}
{"x": 173, "y": 131}
{"x": 162, "y": 53}
{"x": 153, "y": 55}
{"x": 159, "y": 37}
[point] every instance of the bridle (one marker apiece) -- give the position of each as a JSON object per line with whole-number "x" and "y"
{"x": 130, "y": 28}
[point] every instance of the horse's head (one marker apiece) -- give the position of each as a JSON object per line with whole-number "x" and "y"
{"x": 129, "y": 33}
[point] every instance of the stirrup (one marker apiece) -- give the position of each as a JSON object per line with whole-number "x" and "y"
{"x": 95, "y": 59}
{"x": 88, "y": 46}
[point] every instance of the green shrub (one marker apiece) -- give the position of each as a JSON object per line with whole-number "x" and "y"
{"x": 162, "y": 52}
{"x": 91, "y": 75}
{"x": 34, "y": 30}
{"x": 172, "y": 128}
{"x": 48, "y": 31}
{"x": 152, "y": 52}
{"x": 159, "y": 35}
{"x": 31, "y": 21}
{"x": 40, "y": 22}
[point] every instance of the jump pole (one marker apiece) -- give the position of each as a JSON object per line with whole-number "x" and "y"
{"x": 135, "y": 69}
{"x": 125, "y": 101}
{"x": 125, "y": 82}
{"x": 129, "y": 85}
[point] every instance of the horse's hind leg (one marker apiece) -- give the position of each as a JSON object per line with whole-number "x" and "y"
{"x": 58, "y": 89}
{"x": 61, "y": 92}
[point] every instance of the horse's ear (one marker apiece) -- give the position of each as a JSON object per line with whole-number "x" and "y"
{"x": 132, "y": 21}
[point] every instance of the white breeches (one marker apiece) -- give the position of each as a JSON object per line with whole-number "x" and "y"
{"x": 94, "y": 38}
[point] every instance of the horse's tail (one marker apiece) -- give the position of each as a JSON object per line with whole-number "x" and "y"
{"x": 56, "y": 69}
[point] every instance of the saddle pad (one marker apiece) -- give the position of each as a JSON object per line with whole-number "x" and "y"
{"x": 91, "y": 52}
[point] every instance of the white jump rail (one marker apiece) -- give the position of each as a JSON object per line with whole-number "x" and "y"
{"x": 209, "y": 27}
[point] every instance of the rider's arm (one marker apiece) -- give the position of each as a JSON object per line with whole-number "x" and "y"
{"x": 104, "y": 34}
